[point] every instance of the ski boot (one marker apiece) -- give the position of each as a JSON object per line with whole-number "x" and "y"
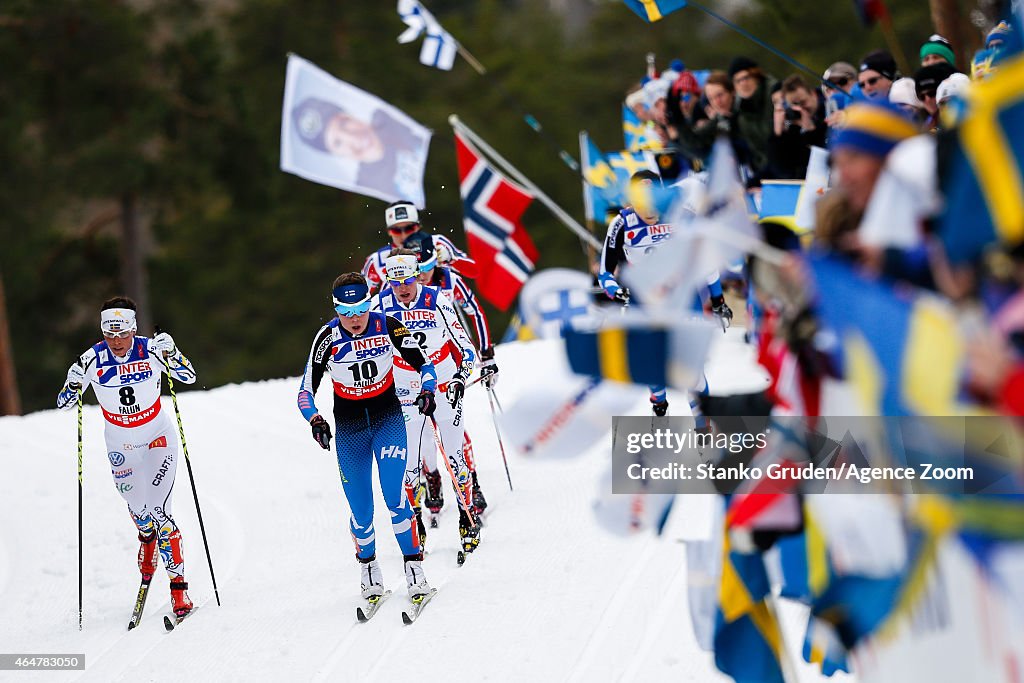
{"x": 434, "y": 500}
{"x": 660, "y": 408}
{"x": 479, "y": 502}
{"x": 415, "y": 578}
{"x": 372, "y": 582}
{"x": 147, "y": 555}
{"x": 469, "y": 531}
{"x": 180, "y": 603}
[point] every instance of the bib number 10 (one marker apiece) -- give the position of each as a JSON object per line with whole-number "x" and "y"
{"x": 365, "y": 371}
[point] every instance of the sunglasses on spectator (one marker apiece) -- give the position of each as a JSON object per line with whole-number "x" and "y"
{"x": 869, "y": 82}
{"x": 402, "y": 230}
{"x": 841, "y": 81}
{"x": 924, "y": 94}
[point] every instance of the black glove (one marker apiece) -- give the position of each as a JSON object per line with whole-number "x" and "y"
{"x": 622, "y": 296}
{"x": 425, "y": 402}
{"x": 488, "y": 368}
{"x": 321, "y": 431}
{"x": 721, "y": 309}
{"x": 456, "y": 388}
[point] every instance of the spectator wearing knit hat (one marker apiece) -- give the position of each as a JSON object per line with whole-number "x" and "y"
{"x": 753, "y": 109}
{"x": 926, "y": 83}
{"x": 936, "y": 51}
{"x": 684, "y": 112}
{"x": 877, "y": 73}
{"x": 859, "y": 148}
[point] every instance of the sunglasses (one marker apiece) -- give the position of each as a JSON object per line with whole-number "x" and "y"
{"x": 841, "y": 81}
{"x": 411, "y": 280}
{"x": 869, "y": 82}
{"x": 399, "y": 230}
{"x": 352, "y": 310}
{"x": 123, "y": 334}
{"x": 925, "y": 94}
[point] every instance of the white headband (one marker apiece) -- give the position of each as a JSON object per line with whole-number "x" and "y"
{"x": 117, "y": 320}
{"x": 403, "y": 213}
{"x": 401, "y": 267}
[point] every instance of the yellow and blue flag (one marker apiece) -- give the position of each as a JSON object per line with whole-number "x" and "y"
{"x": 779, "y": 202}
{"x": 607, "y": 176}
{"x": 902, "y": 352}
{"x": 636, "y": 134}
{"x": 654, "y": 10}
{"x": 630, "y": 355}
{"x": 748, "y": 638}
{"x": 984, "y": 186}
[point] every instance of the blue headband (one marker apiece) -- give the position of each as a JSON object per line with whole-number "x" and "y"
{"x": 351, "y": 294}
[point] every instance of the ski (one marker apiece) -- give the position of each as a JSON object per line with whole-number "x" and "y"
{"x": 365, "y": 612}
{"x": 140, "y": 602}
{"x": 171, "y": 621}
{"x": 411, "y": 615}
{"x": 461, "y": 557}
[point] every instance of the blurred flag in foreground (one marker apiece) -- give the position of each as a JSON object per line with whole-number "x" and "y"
{"x": 870, "y": 11}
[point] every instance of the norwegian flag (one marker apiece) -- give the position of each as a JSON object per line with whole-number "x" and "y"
{"x": 492, "y": 207}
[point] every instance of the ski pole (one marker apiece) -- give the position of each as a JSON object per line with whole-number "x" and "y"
{"x": 191, "y": 479}
{"x": 81, "y": 390}
{"x": 497, "y": 432}
{"x": 463, "y": 492}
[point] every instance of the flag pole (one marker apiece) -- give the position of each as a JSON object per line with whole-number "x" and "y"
{"x": 558, "y": 211}
{"x": 529, "y": 118}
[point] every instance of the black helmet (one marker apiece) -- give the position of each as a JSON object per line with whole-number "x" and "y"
{"x": 423, "y": 244}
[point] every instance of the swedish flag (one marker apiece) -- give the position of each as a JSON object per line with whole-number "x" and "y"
{"x": 602, "y": 188}
{"x": 630, "y": 355}
{"x": 984, "y": 186}
{"x": 779, "y": 202}
{"x": 748, "y": 639}
{"x": 635, "y": 133}
{"x": 654, "y": 10}
{"x": 902, "y": 352}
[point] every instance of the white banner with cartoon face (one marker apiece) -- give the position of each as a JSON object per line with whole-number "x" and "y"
{"x": 336, "y": 134}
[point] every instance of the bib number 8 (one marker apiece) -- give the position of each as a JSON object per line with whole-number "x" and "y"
{"x": 127, "y": 396}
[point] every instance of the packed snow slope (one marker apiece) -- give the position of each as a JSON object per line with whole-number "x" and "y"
{"x": 549, "y": 595}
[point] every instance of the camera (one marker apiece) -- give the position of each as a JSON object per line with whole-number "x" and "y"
{"x": 792, "y": 114}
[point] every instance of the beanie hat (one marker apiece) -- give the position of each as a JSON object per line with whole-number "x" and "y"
{"x": 741, "y": 64}
{"x": 880, "y": 61}
{"x": 904, "y": 92}
{"x": 999, "y": 34}
{"x": 872, "y": 128}
{"x": 937, "y": 45}
{"x": 686, "y": 83}
{"x": 927, "y": 78}
{"x": 654, "y": 90}
{"x": 677, "y": 65}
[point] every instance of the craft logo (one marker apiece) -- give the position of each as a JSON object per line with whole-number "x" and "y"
{"x": 164, "y": 468}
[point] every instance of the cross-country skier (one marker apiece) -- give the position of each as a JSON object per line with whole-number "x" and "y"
{"x": 638, "y": 230}
{"x": 455, "y": 288}
{"x": 125, "y": 372}
{"x": 430, "y": 317}
{"x": 355, "y": 350}
{"x": 402, "y": 219}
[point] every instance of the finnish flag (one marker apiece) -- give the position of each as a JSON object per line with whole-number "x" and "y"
{"x": 439, "y": 47}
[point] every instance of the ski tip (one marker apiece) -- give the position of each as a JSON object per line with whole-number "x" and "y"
{"x": 131, "y": 625}
{"x": 406, "y": 619}
{"x": 168, "y": 623}
{"x": 361, "y": 615}
{"x": 461, "y": 558}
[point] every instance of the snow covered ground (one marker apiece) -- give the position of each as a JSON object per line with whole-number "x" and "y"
{"x": 549, "y": 595}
